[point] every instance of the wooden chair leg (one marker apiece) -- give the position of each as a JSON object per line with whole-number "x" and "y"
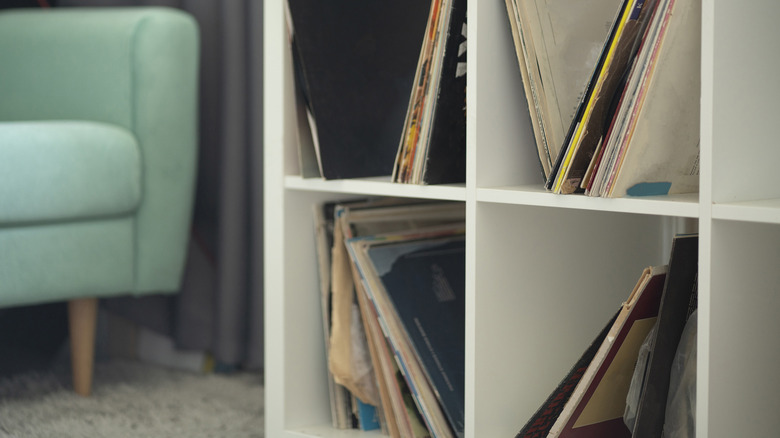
{"x": 82, "y": 318}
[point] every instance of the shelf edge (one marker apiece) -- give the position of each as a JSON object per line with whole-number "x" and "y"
{"x": 686, "y": 205}
{"x": 763, "y": 211}
{"x": 377, "y": 186}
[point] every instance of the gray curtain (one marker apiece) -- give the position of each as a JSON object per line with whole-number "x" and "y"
{"x": 220, "y": 306}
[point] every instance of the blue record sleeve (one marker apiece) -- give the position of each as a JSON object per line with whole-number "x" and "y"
{"x": 425, "y": 281}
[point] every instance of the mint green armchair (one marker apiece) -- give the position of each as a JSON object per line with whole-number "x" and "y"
{"x": 98, "y": 137}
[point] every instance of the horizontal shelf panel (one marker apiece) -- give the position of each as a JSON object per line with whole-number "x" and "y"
{"x": 765, "y": 211}
{"x": 686, "y": 205}
{"x": 327, "y": 431}
{"x": 379, "y": 186}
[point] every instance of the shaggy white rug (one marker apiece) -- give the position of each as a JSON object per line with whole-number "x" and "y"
{"x": 133, "y": 400}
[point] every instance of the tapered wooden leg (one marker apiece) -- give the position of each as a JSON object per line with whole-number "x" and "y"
{"x": 82, "y": 318}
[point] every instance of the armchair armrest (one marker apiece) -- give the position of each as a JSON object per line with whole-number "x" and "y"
{"x": 132, "y": 67}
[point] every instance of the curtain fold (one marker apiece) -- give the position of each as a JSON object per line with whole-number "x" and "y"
{"x": 219, "y": 308}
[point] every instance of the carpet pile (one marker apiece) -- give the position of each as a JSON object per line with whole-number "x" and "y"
{"x": 132, "y": 399}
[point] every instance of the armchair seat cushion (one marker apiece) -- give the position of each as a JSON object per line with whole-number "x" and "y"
{"x": 54, "y": 171}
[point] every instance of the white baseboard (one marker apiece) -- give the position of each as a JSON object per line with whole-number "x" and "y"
{"x": 159, "y": 350}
